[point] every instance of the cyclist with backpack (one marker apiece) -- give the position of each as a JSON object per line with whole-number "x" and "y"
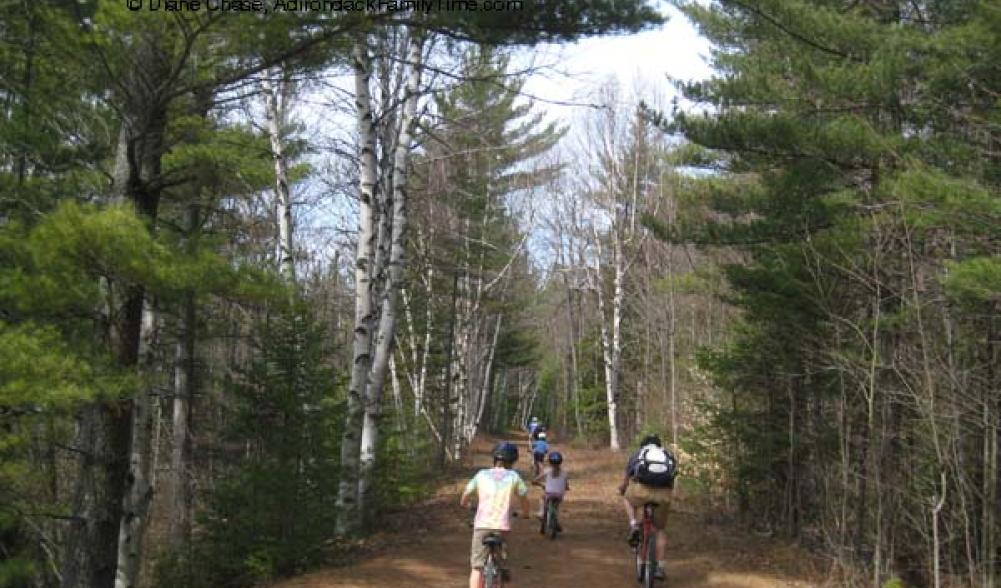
{"x": 539, "y": 449}
{"x": 554, "y": 483}
{"x": 649, "y": 478}
{"x": 495, "y": 490}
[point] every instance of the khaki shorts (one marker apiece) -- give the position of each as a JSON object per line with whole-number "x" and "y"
{"x": 478, "y": 551}
{"x": 637, "y": 494}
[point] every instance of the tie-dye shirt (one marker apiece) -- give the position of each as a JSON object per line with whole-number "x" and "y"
{"x": 495, "y": 489}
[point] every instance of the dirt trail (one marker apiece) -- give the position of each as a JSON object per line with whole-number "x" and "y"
{"x": 591, "y": 553}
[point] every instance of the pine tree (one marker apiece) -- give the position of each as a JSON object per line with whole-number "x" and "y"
{"x": 857, "y": 172}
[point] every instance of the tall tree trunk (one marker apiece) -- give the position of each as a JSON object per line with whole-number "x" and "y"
{"x": 275, "y": 111}
{"x": 610, "y": 344}
{"x": 139, "y": 489}
{"x": 447, "y": 400}
{"x": 347, "y": 493}
{"x": 387, "y": 318}
{"x": 184, "y": 383}
{"x": 484, "y": 395}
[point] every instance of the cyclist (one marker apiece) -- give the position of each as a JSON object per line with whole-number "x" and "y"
{"x": 554, "y": 483}
{"x": 649, "y": 478}
{"x": 495, "y": 489}
{"x": 539, "y": 450}
{"x": 533, "y": 425}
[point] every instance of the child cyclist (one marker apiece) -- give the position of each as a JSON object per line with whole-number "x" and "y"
{"x": 495, "y": 490}
{"x": 554, "y": 483}
{"x": 539, "y": 449}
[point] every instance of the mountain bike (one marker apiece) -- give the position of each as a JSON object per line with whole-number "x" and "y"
{"x": 550, "y": 522}
{"x": 493, "y": 575}
{"x": 645, "y": 549}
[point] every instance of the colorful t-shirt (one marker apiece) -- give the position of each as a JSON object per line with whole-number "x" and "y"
{"x": 495, "y": 489}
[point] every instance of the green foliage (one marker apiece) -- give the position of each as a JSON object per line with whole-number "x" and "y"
{"x": 865, "y": 202}
{"x": 271, "y": 512}
{"x": 977, "y": 278}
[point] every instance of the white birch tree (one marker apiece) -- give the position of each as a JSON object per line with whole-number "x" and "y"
{"x": 347, "y": 494}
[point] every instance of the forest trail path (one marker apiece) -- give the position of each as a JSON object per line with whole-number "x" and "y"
{"x": 591, "y": 553}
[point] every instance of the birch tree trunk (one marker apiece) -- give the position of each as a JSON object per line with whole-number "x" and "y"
{"x": 387, "y": 318}
{"x": 139, "y": 486}
{"x": 485, "y": 384}
{"x": 347, "y": 492}
{"x": 610, "y": 345}
{"x": 275, "y": 112}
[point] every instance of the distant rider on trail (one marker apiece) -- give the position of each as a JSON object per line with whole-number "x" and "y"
{"x": 539, "y": 450}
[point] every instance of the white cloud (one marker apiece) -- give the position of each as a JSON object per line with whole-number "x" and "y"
{"x": 641, "y": 63}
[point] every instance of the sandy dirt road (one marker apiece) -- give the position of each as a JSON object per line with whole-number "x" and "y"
{"x": 591, "y": 553}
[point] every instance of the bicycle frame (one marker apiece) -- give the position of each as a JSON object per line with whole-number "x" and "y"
{"x": 646, "y": 550}
{"x": 550, "y": 522}
{"x": 490, "y": 576}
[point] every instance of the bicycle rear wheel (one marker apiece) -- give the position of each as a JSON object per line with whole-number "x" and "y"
{"x": 639, "y": 551}
{"x": 551, "y": 519}
{"x": 491, "y": 576}
{"x": 650, "y": 573}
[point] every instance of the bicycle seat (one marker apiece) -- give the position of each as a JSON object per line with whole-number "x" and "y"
{"x": 493, "y": 540}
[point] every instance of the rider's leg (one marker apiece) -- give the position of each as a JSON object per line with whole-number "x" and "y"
{"x": 661, "y": 545}
{"x": 542, "y": 506}
{"x": 474, "y": 578}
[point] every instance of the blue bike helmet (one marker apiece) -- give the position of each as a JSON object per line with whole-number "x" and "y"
{"x": 505, "y": 452}
{"x": 556, "y": 458}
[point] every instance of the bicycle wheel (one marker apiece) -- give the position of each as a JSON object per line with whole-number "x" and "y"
{"x": 639, "y": 552}
{"x": 551, "y": 519}
{"x": 650, "y": 573}
{"x": 490, "y": 577}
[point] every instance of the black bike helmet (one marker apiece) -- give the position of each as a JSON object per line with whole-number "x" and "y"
{"x": 556, "y": 458}
{"x": 651, "y": 440}
{"x": 505, "y": 452}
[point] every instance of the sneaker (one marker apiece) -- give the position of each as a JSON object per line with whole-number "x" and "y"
{"x": 634, "y": 535}
{"x": 659, "y": 574}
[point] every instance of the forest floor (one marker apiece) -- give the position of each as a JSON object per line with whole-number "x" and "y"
{"x": 433, "y": 550}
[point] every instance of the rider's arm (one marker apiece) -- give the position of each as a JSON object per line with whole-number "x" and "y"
{"x": 470, "y": 488}
{"x": 624, "y": 484}
{"x": 522, "y": 492}
{"x": 539, "y": 477}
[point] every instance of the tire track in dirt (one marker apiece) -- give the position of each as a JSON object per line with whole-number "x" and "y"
{"x": 591, "y": 553}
